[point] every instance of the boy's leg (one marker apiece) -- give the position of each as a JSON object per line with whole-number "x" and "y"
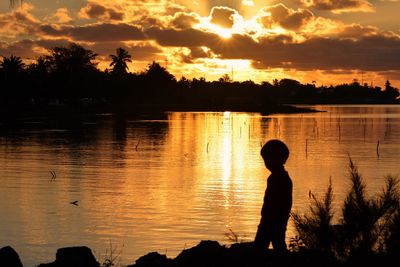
{"x": 278, "y": 239}
{"x": 263, "y": 238}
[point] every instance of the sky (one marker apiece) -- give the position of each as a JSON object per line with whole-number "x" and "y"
{"x": 313, "y": 41}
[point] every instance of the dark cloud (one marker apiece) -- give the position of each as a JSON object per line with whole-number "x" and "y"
{"x": 147, "y": 21}
{"x": 357, "y": 30}
{"x": 139, "y": 51}
{"x": 372, "y": 53}
{"x": 18, "y": 22}
{"x": 22, "y": 48}
{"x": 101, "y": 32}
{"x": 26, "y": 48}
{"x": 198, "y": 52}
{"x": 235, "y": 4}
{"x": 285, "y": 17}
{"x": 195, "y": 53}
{"x": 223, "y": 16}
{"x": 182, "y": 38}
{"x": 98, "y": 11}
{"x": 183, "y": 20}
{"x": 340, "y": 5}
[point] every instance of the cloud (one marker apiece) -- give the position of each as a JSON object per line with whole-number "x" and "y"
{"x": 372, "y": 53}
{"x": 18, "y": 22}
{"x": 27, "y": 48}
{"x": 94, "y": 10}
{"x": 340, "y": 6}
{"x": 182, "y": 20}
{"x": 357, "y": 31}
{"x": 248, "y": 3}
{"x": 182, "y": 38}
{"x": 100, "y": 32}
{"x": 285, "y": 17}
{"x": 194, "y": 54}
{"x": 223, "y": 16}
{"x": 61, "y": 16}
{"x": 140, "y": 51}
{"x": 236, "y": 5}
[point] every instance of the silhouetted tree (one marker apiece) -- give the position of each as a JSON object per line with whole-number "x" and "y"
{"x": 11, "y": 67}
{"x": 158, "y": 73}
{"x": 73, "y": 72}
{"x": 225, "y": 78}
{"x": 390, "y": 91}
{"x": 119, "y": 61}
{"x": 38, "y": 74}
{"x": 72, "y": 59}
{"x": 41, "y": 67}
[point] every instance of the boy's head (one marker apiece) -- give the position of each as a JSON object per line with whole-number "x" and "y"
{"x": 275, "y": 154}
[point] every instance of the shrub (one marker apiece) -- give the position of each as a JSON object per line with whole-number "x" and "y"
{"x": 367, "y": 226}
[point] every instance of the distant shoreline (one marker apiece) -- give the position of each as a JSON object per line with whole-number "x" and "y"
{"x": 67, "y": 110}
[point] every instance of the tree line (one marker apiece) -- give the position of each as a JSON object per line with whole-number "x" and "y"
{"x": 69, "y": 75}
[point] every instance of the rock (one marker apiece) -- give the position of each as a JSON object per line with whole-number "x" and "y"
{"x": 205, "y": 254}
{"x": 73, "y": 257}
{"x": 9, "y": 257}
{"x": 153, "y": 259}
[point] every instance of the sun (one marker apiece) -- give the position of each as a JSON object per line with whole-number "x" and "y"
{"x": 225, "y": 33}
{"x": 206, "y": 25}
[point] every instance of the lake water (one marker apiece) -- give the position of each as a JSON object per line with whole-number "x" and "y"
{"x": 164, "y": 184}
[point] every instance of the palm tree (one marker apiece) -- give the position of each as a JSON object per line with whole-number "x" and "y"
{"x": 119, "y": 61}
{"x": 11, "y": 66}
{"x": 39, "y": 70}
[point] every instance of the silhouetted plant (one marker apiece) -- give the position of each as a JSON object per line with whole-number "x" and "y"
{"x": 225, "y": 79}
{"x": 392, "y": 234}
{"x": 234, "y": 237}
{"x": 316, "y": 230}
{"x": 296, "y": 244}
{"x": 111, "y": 257}
{"x": 118, "y": 61}
{"x": 363, "y": 218}
{"x": 390, "y": 91}
{"x": 73, "y": 59}
{"x": 11, "y": 66}
{"x": 158, "y": 73}
{"x": 368, "y": 225}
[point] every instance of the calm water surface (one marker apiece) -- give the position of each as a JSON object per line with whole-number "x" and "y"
{"x": 164, "y": 184}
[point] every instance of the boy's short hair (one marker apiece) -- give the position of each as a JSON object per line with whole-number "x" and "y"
{"x": 275, "y": 149}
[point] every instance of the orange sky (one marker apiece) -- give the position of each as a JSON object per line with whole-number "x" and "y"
{"x": 325, "y": 41}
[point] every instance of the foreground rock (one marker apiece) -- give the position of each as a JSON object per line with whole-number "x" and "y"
{"x": 9, "y": 257}
{"x": 212, "y": 254}
{"x": 73, "y": 257}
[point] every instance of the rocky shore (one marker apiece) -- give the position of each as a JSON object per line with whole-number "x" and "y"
{"x": 205, "y": 254}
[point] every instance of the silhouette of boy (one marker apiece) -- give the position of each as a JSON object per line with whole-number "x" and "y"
{"x": 277, "y": 200}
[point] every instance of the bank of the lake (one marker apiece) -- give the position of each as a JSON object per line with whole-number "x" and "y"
{"x": 205, "y": 254}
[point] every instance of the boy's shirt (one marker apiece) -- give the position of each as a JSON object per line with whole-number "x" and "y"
{"x": 278, "y": 197}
